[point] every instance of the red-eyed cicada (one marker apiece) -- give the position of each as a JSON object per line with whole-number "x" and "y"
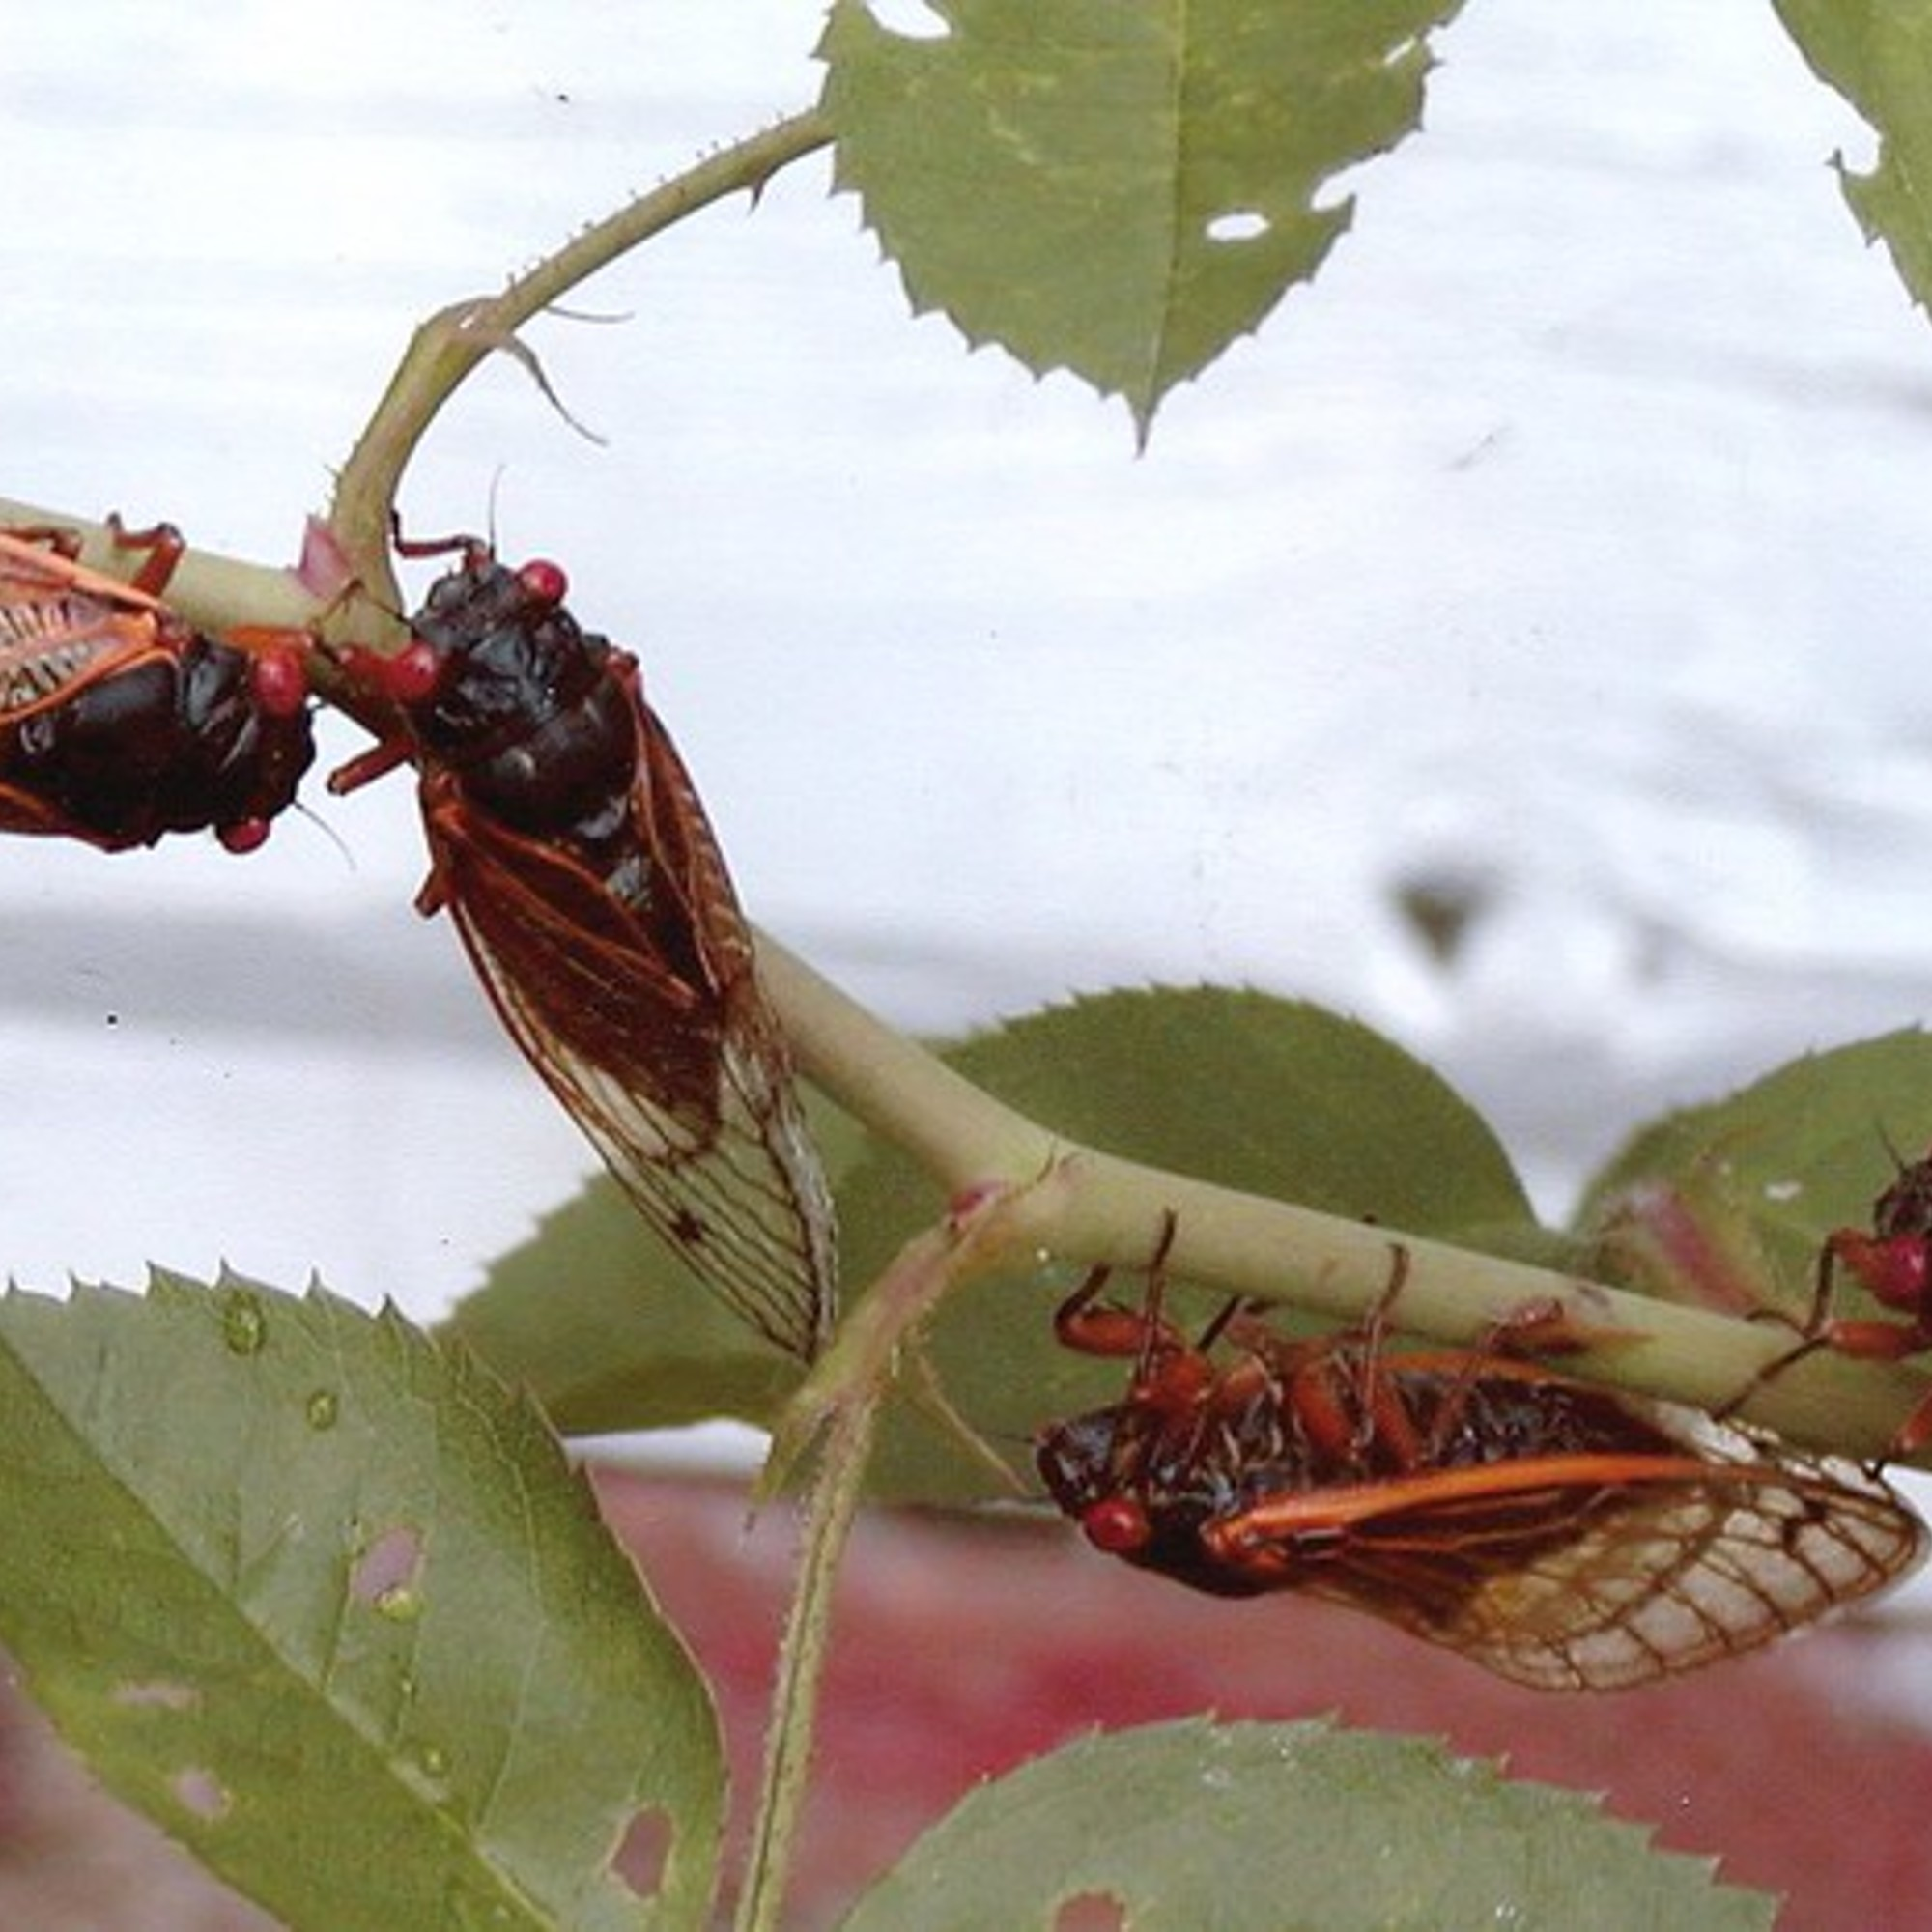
{"x": 1562, "y": 1535}
{"x": 119, "y": 722}
{"x": 567, "y": 842}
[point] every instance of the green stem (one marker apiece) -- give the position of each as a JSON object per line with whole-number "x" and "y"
{"x": 213, "y": 591}
{"x": 1091, "y": 1207}
{"x": 836, "y": 1489}
{"x": 446, "y": 347}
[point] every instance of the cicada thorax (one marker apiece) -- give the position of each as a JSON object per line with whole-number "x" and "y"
{"x": 1563, "y": 1535}
{"x": 570, "y": 845}
{"x": 119, "y": 722}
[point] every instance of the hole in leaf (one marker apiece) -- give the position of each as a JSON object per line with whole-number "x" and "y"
{"x": 200, "y": 1794}
{"x": 385, "y": 1574}
{"x": 1091, "y": 1911}
{"x": 910, "y": 19}
{"x": 1239, "y": 224}
{"x": 644, "y": 1851}
{"x": 157, "y": 1694}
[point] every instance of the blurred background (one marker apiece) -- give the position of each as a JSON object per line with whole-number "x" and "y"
{"x": 1557, "y": 564}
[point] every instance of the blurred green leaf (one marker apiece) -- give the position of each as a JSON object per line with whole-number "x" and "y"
{"x": 1726, "y": 1204}
{"x": 1270, "y": 1828}
{"x": 329, "y": 1604}
{"x": 1119, "y": 188}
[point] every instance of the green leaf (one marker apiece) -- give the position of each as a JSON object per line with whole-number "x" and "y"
{"x": 1725, "y": 1206}
{"x": 1878, "y": 54}
{"x": 607, "y": 1326}
{"x": 1279, "y": 1827}
{"x": 1281, "y": 1097}
{"x": 1119, "y": 188}
{"x": 329, "y": 1604}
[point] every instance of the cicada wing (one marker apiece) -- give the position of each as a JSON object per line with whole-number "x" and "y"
{"x": 1588, "y": 1582}
{"x": 684, "y": 1085}
{"x": 51, "y": 646}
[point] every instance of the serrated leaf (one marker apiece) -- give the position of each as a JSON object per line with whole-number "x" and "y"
{"x": 1281, "y": 1097}
{"x": 1119, "y": 188}
{"x": 1726, "y": 1204}
{"x": 1270, "y": 1828}
{"x": 329, "y": 1604}
{"x": 1878, "y": 54}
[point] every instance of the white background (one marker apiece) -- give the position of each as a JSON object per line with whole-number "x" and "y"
{"x": 1571, "y": 534}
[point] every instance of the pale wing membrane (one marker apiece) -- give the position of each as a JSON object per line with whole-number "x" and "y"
{"x": 1601, "y": 1587}
{"x": 47, "y": 644}
{"x": 691, "y": 1103}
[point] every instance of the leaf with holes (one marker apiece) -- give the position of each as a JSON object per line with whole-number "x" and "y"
{"x": 329, "y": 1604}
{"x": 1252, "y": 1827}
{"x": 1118, "y": 191}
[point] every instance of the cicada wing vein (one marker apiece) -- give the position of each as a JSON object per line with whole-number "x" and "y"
{"x": 1600, "y": 1571}
{"x": 680, "y": 1078}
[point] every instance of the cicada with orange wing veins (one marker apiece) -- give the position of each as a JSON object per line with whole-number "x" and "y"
{"x": 568, "y": 843}
{"x": 1894, "y": 1264}
{"x": 1561, "y": 1535}
{"x": 119, "y": 722}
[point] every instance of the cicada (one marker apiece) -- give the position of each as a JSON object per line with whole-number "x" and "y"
{"x": 1561, "y": 1535}
{"x": 119, "y": 721}
{"x": 567, "y": 842}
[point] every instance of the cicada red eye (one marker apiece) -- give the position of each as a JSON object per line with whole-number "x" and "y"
{"x": 119, "y": 722}
{"x": 281, "y": 682}
{"x": 1118, "y": 1525}
{"x": 543, "y": 581}
{"x": 244, "y": 836}
{"x": 411, "y": 675}
{"x": 569, "y": 844}
{"x": 1561, "y": 1535}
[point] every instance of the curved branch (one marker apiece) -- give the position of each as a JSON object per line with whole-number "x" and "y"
{"x": 448, "y": 347}
{"x": 1099, "y": 1207}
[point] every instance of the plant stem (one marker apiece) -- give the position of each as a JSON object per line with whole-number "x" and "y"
{"x": 1099, "y": 1208}
{"x": 837, "y": 1488}
{"x": 446, "y": 347}
{"x": 213, "y": 591}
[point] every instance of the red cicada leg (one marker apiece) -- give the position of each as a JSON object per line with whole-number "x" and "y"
{"x": 57, "y": 539}
{"x": 1896, "y": 1266}
{"x": 1108, "y": 1330}
{"x": 471, "y": 549}
{"x": 164, "y": 545}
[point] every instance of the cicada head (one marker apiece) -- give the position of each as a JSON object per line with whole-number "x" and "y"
{"x": 1140, "y": 1494}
